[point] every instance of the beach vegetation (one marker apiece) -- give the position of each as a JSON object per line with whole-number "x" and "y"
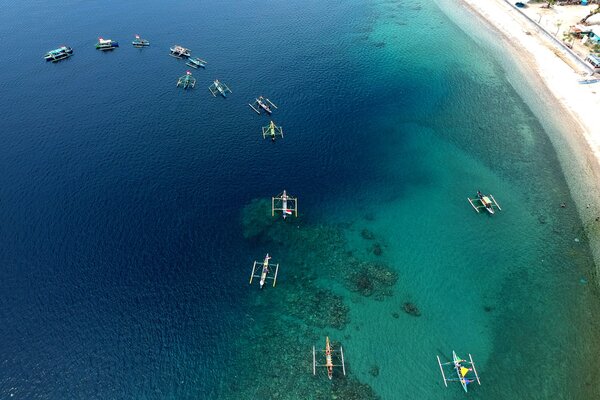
{"x": 591, "y": 13}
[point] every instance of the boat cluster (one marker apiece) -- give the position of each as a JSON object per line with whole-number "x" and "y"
{"x": 187, "y": 81}
{"x": 64, "y": 52}
{"x": 287, "y": 205}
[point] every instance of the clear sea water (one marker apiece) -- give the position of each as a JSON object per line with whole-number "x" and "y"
{"x": 130, "y": 220}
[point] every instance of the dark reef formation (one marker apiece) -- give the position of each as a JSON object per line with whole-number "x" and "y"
{"x": 411, "y": 309}
{"x": 316, "y": 264}
{"x": 370, "y": 279}
{"x": 318, "y": 307}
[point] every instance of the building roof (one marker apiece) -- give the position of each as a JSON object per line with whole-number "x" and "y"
{"x": 595, "y": 58}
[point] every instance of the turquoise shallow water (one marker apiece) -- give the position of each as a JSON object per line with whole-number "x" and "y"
{"x": 510, "y": 289}
{"x": 127, "y": 241}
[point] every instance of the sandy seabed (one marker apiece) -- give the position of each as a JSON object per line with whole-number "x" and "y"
{"x": 567, "y": 109}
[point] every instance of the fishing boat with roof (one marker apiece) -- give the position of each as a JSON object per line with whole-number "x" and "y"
{"x": 61, "y": 53}
{"x": 139, "y": 42}
{"x": 484, "y": 201}
{"x": 106, "y": 44}
{"x": 186, "y": 81}
{"x": 465, "y": 371}
{"x": 178, "y": 51}
{"x": 196, "y": 62}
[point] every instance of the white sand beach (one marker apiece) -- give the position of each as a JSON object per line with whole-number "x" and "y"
{"x": 554, "y": 76}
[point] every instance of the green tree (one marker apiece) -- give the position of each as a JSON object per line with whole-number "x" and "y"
{"x": 593, "y": 12}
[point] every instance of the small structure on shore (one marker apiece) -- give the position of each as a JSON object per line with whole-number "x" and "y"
{"x": 272, "y": 130}
{"x": 106, "y": 44}
{"x": 285, "y": 204}
{"x": 261, "y": 102}
{"x": 482, "y": 201}
{"x": 265, "y": 271}
{"x": 462, "y": 368}
{"x": 178, "y": 51}
{"x": 196, "y": 63}
{"x": 329, "y": 353}
{"x": 594, "y": 61}
{"x": 219, "y": 88}
{"x": 61, "y": 53}
{"x": 139, "y": 42}
{"x": 186, "y": 81}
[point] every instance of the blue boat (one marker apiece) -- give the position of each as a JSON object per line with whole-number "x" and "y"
{"x": 587, "y": 81}
{"x": 196, "y": 62}
{"x": 59, "y": 54}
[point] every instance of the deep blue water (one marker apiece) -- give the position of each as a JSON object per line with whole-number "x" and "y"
{"x": 123, "y": 262}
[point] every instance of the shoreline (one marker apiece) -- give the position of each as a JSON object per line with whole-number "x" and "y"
{"x": 566, "y": 109}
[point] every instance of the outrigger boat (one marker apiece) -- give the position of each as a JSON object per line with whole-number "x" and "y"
{"x": 272, "y": 130}
{"x": 329, "y": 359}
{"x": 139, "y": 42}
{"x": 186, "y": 81}
{"x": 219, "y": 88}
{"x": 178, "y": 51}
{"x": 106, "y": 44}
{"x": 261, "y": 102}
{"x": 264, "y": 275}
{"x": 196, "y": 63}
{"x": 589, "y": 80}
{"x": 285, "y": 203}
{"x": 462, "y": 369}
{"x": 59, "y": 54}
{"x": 488, "y": 202}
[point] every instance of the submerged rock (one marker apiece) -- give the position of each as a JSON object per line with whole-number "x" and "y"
{"x": 411, "y": 309}
{"x": 377, "y": 249}
{"x": 371, "y": 279}
{"x": 374, "y": 370}
{"x": 367, "y": 234}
